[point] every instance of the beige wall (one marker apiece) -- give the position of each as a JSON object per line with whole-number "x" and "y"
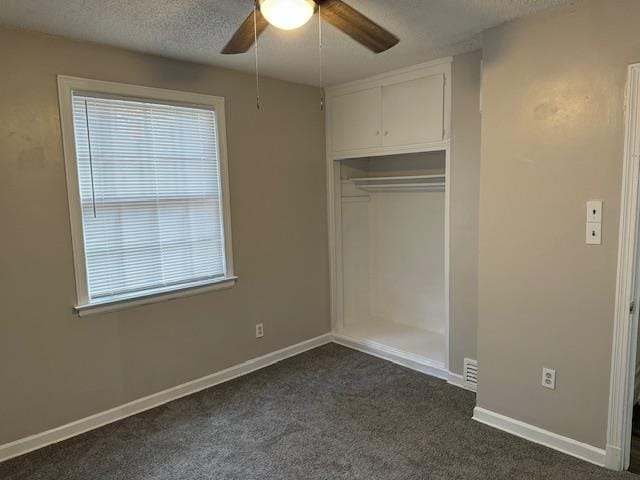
{"x": 552, "y": 138}
{"x": 56, "y": 367}
{"x": 465, "y": 193}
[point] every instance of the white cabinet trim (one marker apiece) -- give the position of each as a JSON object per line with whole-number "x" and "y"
{"x": 439, "y": 67}
{"x": 393, "y": 76}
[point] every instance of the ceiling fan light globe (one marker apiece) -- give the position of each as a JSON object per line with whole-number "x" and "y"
{"x": 287, "y": 14}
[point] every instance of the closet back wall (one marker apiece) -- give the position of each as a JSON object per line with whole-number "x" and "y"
{"x": 56, "y": 367}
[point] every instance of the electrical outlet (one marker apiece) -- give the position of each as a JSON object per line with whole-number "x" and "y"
{"x": 259, "y": 330}
{"x": 594, "y": 211}
{"x": 594, "y": 233}
{"x": 549, "y": 378}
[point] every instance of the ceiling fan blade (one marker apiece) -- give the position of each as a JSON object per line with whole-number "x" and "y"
{"x": 245, "y": 35}
{"x": 357, "y": 26}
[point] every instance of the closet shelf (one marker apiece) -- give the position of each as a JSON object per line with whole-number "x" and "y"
{"x": 424, "y": 183}
{"x": 399, "y": 178}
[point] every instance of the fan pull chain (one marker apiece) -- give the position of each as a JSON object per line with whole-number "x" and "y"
{"x": 320, "y": 57}
{"x": 255, "y": 35}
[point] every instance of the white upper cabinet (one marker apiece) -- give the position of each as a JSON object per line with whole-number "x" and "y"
{"x": 355, "y": 120}
{"x": 413, "y": 111}
{"x": 399, "y": 112}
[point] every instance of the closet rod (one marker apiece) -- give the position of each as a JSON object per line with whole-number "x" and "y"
{"x": 424, "y": 187}
{"x": 397, "y": 177}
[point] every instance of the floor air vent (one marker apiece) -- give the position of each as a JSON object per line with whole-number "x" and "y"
{"x": 471, "y": 373}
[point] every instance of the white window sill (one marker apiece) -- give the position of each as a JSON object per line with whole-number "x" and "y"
{"x": 115, "y": 305}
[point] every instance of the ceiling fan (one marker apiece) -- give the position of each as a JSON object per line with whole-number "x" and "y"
{"x": 291, "y": 14}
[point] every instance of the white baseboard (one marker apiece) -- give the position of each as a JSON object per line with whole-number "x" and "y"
{"x": 614, "y": 459}
{"x": 34, "y": 442}
{"x": 414, "y": 362}
{"x": 535, "y": 434}
{"x": 458, "y": 381}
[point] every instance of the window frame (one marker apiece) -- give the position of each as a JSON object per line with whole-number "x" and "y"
{"x": 66, "y": 87}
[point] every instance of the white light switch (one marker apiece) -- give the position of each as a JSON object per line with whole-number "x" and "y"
{"x": 594, "y": 233}
{"x": 594, "y": 211}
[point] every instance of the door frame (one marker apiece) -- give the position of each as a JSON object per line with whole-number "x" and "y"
{"x": 625, "y": 326}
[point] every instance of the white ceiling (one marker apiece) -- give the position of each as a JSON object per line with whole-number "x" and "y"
{"x": 197, "y": 29}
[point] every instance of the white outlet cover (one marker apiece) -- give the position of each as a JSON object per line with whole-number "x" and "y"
{"x": 594, "y": 211}
{"x": 593, "y": 233}
{"x": 549, "y": 378}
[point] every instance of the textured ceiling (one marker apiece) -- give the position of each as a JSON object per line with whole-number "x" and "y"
{"x": 197, "y": 29}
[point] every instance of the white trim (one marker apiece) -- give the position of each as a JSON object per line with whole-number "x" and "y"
{"x": 39, "y": 440}
{"x": 334, "y": 200}
{"x": 540, "y": 436}
{"x": 436, "y": 67}
{"x": 395, "y": 150}
{"x": 398, "y": 178}
{"x": 414, "y": 362}
{"x": 66, "y": 86}
{"x": 63, "y": 432}
{"x": 188, "y": 291}
{"x": 390, "y": 74}
{"x": 625, "y": 325}
{"x": 459, "y": 381}
{"x": 447, "y": 253}
{"x": 399, "y": 357}
{"x": 334, "y": 220}
{"x": 403, "y": 187}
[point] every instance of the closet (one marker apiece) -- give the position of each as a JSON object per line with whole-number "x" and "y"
{"x": 388, "y": 154}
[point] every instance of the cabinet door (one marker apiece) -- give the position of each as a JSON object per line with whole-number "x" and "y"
{"x": 355, "y": 120}
{"x": 413, "y": 111}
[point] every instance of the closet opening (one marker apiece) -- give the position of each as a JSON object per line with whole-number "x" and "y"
{"x": 392, "y": 235}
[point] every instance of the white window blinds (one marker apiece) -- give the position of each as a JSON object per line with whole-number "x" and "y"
{"x": 150, "y": 194}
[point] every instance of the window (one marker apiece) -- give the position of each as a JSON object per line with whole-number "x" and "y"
{"x": 148, "y": 194}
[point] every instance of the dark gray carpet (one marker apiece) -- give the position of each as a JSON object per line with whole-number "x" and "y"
{"x": 331, "y": 413}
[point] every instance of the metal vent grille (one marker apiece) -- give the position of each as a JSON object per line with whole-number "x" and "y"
{"x": 471, "y": 373}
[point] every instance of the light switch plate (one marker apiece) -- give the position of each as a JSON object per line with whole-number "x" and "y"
{"x": 594, "y": 211}
{"x": 594, "y": 233}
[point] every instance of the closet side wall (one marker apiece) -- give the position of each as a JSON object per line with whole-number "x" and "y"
{"x": 355, "y": 260}
{"x": 465, "y": 193}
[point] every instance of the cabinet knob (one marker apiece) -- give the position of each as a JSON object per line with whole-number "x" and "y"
{"x": 386, "y": 133}
{"x": 377, "y": 132}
